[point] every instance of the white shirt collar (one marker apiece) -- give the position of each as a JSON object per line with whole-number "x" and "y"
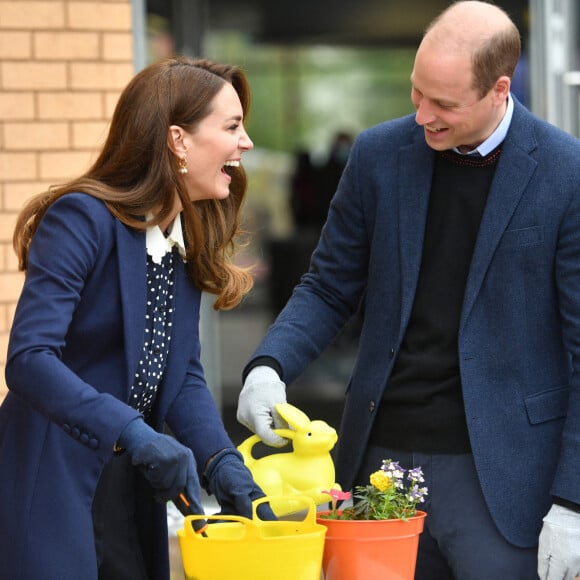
{"x": 158, "y": 245}
{"x": 498, "y": 135}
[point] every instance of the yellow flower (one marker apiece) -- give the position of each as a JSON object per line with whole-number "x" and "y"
{"x": 381, "y": 480}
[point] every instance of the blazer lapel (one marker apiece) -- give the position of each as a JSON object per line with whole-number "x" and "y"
{"x": 414, "y": 185}
{"x": 133, "y": 281}
{"x": 514, "y": 171}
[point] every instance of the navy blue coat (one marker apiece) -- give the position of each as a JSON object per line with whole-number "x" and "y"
{"x": 519, "y": 335}
{"x": 74, "y": 347}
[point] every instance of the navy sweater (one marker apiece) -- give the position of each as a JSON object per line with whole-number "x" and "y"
{"x": 422, "y": 407}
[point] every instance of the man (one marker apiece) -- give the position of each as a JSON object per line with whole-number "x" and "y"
{"x": 458, "y": 229}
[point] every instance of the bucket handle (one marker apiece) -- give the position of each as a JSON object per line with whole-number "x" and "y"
{"x": 252, "y": 526}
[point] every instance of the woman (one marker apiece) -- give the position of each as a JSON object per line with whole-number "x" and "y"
{"x": 104, "y": 350}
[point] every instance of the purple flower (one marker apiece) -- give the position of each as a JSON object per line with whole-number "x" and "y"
{"x": 416, "y": 475}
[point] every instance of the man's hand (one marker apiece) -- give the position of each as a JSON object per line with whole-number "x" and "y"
{"x": 262, "y": 391}
{"x": 559, "y": 549}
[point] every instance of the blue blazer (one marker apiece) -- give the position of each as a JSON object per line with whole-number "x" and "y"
{"x": 74, "y": 347}
{"x": 519, "y": 335}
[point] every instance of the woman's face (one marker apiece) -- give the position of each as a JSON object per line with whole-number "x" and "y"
{"x": 218, "y": 141}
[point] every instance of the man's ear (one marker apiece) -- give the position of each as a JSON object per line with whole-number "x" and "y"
{"x": 175, "y": 142}
{"x": 501, "y": 88}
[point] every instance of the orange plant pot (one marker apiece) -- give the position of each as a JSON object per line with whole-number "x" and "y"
{"x": 362, "y": 549}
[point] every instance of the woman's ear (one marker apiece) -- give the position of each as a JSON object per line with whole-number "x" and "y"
{"x": 175, "y": 140}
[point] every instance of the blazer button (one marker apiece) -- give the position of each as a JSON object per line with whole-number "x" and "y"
{"x": 76, "y": 432}
{"x": 391, "y": 353}
{"x": 371, "y": 406}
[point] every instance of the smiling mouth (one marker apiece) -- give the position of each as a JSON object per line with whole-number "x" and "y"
{"x": 433, "y": 129}
{"x": 229, "y": 165}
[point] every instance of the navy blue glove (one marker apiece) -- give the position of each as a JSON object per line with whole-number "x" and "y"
{"x": 234, "y": 487}
{"x": 168, "y": 465}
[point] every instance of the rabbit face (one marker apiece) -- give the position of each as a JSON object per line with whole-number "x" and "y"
{"x": 318, "y": 437}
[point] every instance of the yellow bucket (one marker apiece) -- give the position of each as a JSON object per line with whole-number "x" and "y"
{"x": 244, "y": 549}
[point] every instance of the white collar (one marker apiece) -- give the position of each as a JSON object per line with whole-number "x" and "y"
{"x": 498, "y": 135}
{"x": 158, "y": 245}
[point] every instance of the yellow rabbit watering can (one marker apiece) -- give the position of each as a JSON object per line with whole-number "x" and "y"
{"x": 307, "y": 470}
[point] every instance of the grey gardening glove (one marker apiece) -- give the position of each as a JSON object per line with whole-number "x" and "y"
{"x": 559, "y": 549}
{"x": 261, "y": 392}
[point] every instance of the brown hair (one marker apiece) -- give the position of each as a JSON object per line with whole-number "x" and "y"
{"x": 136, "y": 172}
{"x": 496, "y": 57}
{"x": 493, "y": 43}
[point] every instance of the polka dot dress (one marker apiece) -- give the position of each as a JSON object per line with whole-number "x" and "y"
{"x": 158, "y": 321}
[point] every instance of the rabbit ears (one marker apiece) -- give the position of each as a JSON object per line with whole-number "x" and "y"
{"x": 292, "y": 415}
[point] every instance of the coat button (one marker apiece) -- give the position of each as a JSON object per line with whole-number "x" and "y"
{"x": 371, "y": 406}
{"x": 391, "y": 353}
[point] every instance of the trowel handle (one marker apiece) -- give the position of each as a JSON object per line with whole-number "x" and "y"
{"x": 183, "y": 504}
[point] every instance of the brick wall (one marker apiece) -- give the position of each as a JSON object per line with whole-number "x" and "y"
{"x": 63, "y": 64}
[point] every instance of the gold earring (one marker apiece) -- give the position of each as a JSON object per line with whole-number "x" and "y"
{"x": 182, "y": 169}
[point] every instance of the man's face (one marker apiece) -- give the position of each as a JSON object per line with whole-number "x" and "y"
{"x": 450, "y": 110}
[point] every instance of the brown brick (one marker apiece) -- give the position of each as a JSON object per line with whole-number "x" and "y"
{"x": 36, "y": 136}
{"x": 4, "y": 327}
{"x": 105, "y": 76}
{"x": 3, "y": 349}
{"x": 4, "y": 336}
{"x": 28, "y": 15}
{"x": 10, "y": 285}
{"x": 11, "y": 311}
{"x": 15, "y": 45}
{"x": 16, "y": 105}
{"x": 7, "y": 222}
{"x": 16, "y": 193}
{"x": 66, "y": 45}
{"x": 118, "y": 46}
{"x": 10, "y": 259}
{"x": 61, "y": 166}
{"x": 17, "y": 166}
{"x": 111, "y": 100}
{"x": 33, "y": 75}
{"x": 92, "y": 15}
{"x": 89, "y": 135}
{"x": 70, "y": 105}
